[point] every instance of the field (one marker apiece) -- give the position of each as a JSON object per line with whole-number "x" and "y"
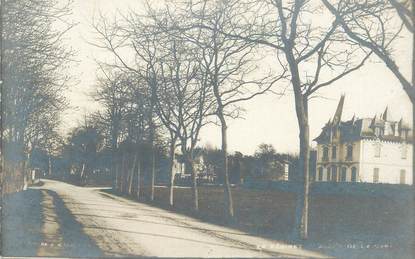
{"x": 337, "y": 222}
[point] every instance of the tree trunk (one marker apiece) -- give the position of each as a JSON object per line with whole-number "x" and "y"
{"x": 413, "y": 142}
{"x": 412, "y": 98}
{"x": 27, "y": 166}
{"x": 152, "y": 135}
{"x": 220, "y": 114}
{"x": 301, "y": 109}
{"x": 228, "y": 193}
{"x": 301, "y": 217}
{"x": 153, "y": 172}
{"x": 303, "y": 196}
{"x": 116, "y": 177}
{"x": 122, "y": 173}
{"x": 25, "y": 177}
{"x": 126, "y": 172}
{"x": 131, "y": 177}
{"x": 118, "y": 174}
{"x": 114, "y": 163}
{"x": 153, "y": 158}
{"x": 172, "y": 173}
{"x": 49, "y": 166}
{"x": 192, "y": 171}
{"x": 138, "y": 177}
{"x": 81, "y": 177}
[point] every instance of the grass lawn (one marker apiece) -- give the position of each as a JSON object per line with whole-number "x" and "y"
{"x": 341, "y": 225}
{"x": 333, "y": 218}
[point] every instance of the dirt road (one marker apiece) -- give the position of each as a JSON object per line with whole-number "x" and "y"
{"x": 59, "y": 219}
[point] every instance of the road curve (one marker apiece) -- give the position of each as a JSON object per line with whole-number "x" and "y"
{"x": 77, "y": 221}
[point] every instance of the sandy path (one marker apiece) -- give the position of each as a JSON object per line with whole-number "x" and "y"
{"x": 78, "y": 221}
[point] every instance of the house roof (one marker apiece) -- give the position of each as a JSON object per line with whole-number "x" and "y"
{"x": 355, "y": 129}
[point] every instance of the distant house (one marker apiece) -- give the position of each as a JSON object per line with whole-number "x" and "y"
{"x": 35, "y": 174}
{"x": 276, "y": 169}
{"x": 179, "y": 168}
{"x": 372, "y": 150}
{"x": 202, "y": 174}
{"x": 286, "y": 171}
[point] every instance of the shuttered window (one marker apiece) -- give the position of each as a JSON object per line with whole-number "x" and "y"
{"x": 375, "y": 175}
{"x": 402, "y": 176}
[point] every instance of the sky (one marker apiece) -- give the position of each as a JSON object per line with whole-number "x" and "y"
{"x": 269, "y": 118}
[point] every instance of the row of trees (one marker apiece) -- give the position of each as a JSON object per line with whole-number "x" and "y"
{"x": 187, "y": 64}
{"x": 33, "y": 58}
{"x": 181, "y": 66}
{"x": 187, "y": 79}
{"x": 85, "y": 159}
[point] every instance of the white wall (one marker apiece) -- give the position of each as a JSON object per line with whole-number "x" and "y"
{"x": 390, "y": 162}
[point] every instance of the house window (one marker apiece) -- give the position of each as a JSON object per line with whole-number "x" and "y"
{"x": 325, "y": 153}
{"x": 349, "y": 152}
{"x": 377, "y": 150}
{"x": 402, "y": 176}
{"x": 404, "y": 151}
{"x": 354, "y": 174}
{"x": 375, "y": 175}
{"x": 405, "y": 135}
{"x": 377, "y": 131}
{"x": 334, "y": 173}
{"x": 328, "y": 174}
{"x": 334, "y": 152}
{"x": 320, "y": 174}
{"x": 343, "y": 174}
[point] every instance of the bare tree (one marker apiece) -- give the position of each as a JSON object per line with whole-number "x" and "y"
{"x": 227, "y": 65}
{"x": 112, "y": 94}
{"x": 83, "y": 143}
{"x": 123, "y": 119}
{"x": 372, "y": 25}
{"x": 33, "y": 58}
{"x": 43, "y": 135}
{"x": 138, "y": 128}
{"x": 184, "y": 102}
{"x": 132, "y": 37}
{"x": 310, "y": 51}
{"x": 166, "y": 108}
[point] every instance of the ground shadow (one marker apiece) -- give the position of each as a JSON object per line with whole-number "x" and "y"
{"x": 75, "y": 242}
{"x": 22, "y": 223}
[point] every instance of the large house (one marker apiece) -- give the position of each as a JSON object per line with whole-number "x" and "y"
{"x": 372, "y": 150}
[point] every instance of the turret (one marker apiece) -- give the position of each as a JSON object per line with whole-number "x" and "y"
{"x": 373, "y": 122}
{"x": 338, "y": 115}
{"x": 385, "y": 114}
